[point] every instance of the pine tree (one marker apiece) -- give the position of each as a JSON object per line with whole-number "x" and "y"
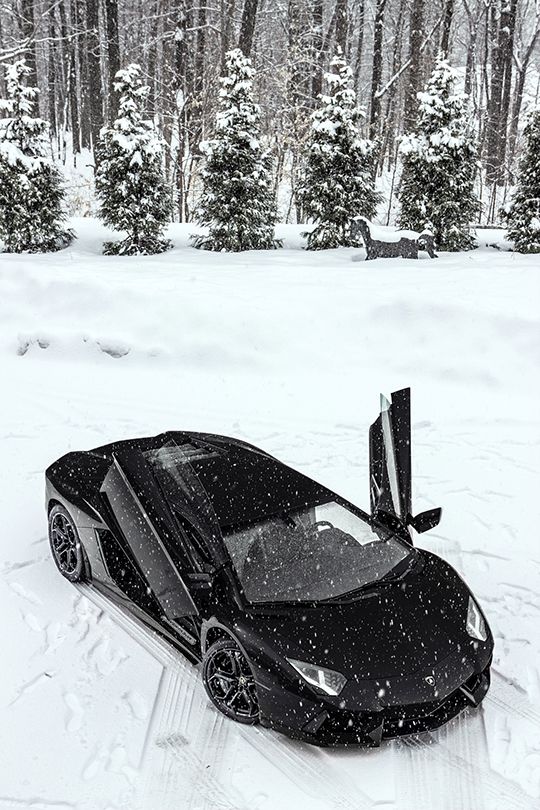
{"x": 337, "y": 183}
{"x": 237, "y": 203}
{"x": 130, "y": 183}
{"x": 439, "y": 165}
{"x": 31, "y": 191}
{"x": 523, "y": 217}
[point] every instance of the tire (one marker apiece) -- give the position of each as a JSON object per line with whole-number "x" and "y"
{"x": 66, "y": 547}
{"x": 229, "y": 682}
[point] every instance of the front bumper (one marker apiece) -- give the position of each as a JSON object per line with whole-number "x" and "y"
{"x": 330, "y": 725}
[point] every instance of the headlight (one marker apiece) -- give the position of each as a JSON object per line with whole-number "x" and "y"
{"x": 476, "y": 626}
{"x": 326, "y": 679}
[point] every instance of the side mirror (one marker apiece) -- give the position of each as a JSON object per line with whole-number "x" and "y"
{"x": 425, "y": 520}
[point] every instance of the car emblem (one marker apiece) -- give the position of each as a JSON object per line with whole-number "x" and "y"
{"x": 430, "y": 680}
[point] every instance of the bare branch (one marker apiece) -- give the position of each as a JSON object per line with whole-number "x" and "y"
{"x": 406, "y": 64}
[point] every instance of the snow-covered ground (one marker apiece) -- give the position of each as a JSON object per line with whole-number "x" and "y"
{"x": 289, "y": 350}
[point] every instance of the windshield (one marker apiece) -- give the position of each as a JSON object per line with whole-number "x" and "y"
{"x": 313, "y": 553}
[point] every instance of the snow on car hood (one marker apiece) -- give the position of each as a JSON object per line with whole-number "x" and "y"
{"x": 397, "y": 629}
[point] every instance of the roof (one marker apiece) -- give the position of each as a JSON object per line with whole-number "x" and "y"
{"x": 246, "y": 486}
{"x": 244, "y": 483}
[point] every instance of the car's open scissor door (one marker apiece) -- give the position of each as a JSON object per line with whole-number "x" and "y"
{"x": 139, "y": 510}
{"x": 390, "y": 466}
{"x": 390, "y": 458}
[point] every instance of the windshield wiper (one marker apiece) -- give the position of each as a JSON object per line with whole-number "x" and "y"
{"x": 395, "y": 573}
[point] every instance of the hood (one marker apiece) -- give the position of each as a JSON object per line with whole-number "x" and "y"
{"x": 392, "y": 630}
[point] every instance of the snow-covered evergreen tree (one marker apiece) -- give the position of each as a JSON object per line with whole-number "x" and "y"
{"x": 439, "y": 165}
{"x": 130, "y": 182}
{"x": 523, "y": 217}
{"x": 337, "y": 183}
{"x": 31, "y": 191}
{"x": 237, "y": 204}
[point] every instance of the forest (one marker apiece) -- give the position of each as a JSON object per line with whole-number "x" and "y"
{"x": 74, "y": 48}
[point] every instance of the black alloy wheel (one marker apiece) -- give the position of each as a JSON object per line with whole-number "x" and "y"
{"x": 229, "y": 682}
{"x": 66, "y": 546}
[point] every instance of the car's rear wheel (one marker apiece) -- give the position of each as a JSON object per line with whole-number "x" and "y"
{"x": 66, "y": 546}
{"x": 229, "y": 682}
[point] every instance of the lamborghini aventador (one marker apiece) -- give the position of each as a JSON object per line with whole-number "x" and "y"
{"x": 307, "y": 614}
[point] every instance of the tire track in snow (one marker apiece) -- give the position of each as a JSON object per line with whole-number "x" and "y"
{"x": 425, "y": 762}
{"x": 217, "y": 741}
{"x": 450, "y": 767}
{"x": 190, "y": 750}
{"x": 199, "y": 768}
{"x": 513, "y": 700}
{"x": 169, "y": 759}
{"x": 468, "y": 782}
{"x": 442, "y": 769}
{"x": 317, "y": 772}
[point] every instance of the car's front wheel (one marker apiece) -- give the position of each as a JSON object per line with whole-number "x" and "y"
{"x": 229, "y": 681}
{"x": 66, "y": 546}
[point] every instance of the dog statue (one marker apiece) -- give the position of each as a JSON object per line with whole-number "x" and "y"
{"x": 406, "y": 247}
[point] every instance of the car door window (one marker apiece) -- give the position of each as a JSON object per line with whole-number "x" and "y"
{"x": 172, "y": 467}
{"x": 125, "y": 479}
{"x": 194, "y": 551}
{"x": 390, "y": 457}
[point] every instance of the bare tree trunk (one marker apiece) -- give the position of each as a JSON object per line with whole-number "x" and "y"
{"x": 446, "y": 26}
{"x": 71, "y": 72}
{"x": 470, "y": 64}
{"x": 247, "y": 26}
{"x": 94, "y": 70}
{"x": 198, "y": 78}
{"x": 27, "y": 24}
{"x": 51, "y": 84}
{"x": 152, "y": 62}
{"x": 508, "y": 57}
{"x": 518, "y": 96}
{"x": 376, "y": 71}
{"x": 113, "y": 55}
{"x": 495, "y": 93}
{"x": 391, "y": 116}
{"x": 183, "y": 95}
{"x": 317, "y": 46}
{"x": 200, "y": 52}
{"x": 84, "y": 93}
{"x": 341, "y": 25}
{"x": 360, "y": 42}
{"x": 503, "y": 24}
{"x": 294, "y": 95}
{"x": 2, "y": 80}
{"x": 227, "y": 9}
{"x": 294, "y": 80}
{"x": 62, "y": 70}
{"x": 416, "y": 25}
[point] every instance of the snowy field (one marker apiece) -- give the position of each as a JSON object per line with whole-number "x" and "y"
{"x": 288, "y": 350}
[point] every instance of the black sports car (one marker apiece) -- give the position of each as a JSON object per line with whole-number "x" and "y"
{"x": 308, "y": 615}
